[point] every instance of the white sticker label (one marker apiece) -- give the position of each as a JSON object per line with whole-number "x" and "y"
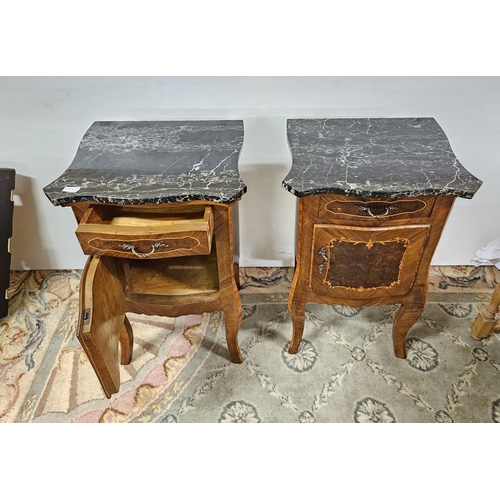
{"x": 70, "y": 189}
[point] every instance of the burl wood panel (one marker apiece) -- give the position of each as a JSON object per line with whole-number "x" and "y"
{"x": 362, "y": 262}
{"x": 354, "y": 264}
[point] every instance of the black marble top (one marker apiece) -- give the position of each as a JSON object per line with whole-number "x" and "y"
{"x": 374, "y": 158}
{"x": 153, "y": 162}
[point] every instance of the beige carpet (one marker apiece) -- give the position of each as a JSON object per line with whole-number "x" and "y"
{"x": 345, "y": 370}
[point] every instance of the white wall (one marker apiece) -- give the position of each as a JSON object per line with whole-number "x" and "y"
{"x": 42, "y": 120}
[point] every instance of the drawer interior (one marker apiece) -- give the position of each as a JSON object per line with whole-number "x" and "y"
{"x": 195, "y": 218}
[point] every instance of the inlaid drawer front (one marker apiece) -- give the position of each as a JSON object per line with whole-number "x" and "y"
{"x": 359, "y": 262}
{"x": 146, "y": 233}
{"x": 347, "y": 207}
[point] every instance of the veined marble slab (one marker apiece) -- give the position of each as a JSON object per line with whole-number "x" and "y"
{"x": 374, "y": 157}
{"x": 154, "y": 162}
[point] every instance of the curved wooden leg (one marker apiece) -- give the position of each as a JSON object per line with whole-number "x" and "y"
{"x": 485, "y": 320}
{"x": 407, "y": 315}
{"x": 234, "y": 314}
{"x": 236, "y": 270}
{"x": 126, "y": 342}
{"x": 297, "y": 313}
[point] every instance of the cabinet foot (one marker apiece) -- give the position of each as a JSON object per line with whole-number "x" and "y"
{"x": 297, "y": 313}
{"x": 406, "y": 317}
{"x": 233, "y": 322}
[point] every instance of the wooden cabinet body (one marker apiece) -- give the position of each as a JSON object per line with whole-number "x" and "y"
{"x": 172, "y": 259}
{"x": 364, "y": 252}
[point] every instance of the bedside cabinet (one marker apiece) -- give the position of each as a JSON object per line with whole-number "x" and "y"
{"x": 157, "y": 211}
{"x": 373, "y": 198}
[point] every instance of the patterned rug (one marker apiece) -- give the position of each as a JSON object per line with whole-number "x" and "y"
{"x": 345, "y": 370}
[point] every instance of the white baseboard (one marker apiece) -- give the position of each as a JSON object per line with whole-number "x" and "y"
{"x": 266, "y": 263}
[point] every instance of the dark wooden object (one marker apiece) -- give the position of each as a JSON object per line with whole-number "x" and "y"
{"x": 7, "y": 183}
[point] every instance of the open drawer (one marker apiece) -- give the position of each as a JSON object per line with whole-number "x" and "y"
{"x": 146, "y": 232}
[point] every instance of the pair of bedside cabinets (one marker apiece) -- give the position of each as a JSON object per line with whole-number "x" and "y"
{"x": 157, "y": 211}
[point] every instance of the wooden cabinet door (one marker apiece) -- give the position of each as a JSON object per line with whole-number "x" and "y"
{"x": 365, "y": 262}
{"x": 102, "y": 318}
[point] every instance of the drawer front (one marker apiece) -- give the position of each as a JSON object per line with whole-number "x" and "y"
{"x": 137, "y": 234}
{"x": 345, "y": 207}
{"x": 366, "y": 262}
{"x": 157, "y": 247}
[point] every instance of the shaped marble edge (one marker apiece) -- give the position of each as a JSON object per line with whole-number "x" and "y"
{"x": 374, "y": 158}
{"x": 154, "y": 162}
